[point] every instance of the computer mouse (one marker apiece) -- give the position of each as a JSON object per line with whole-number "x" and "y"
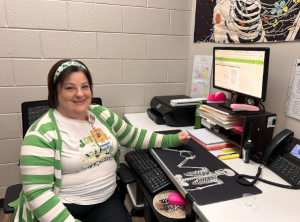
{"x": 176, "y": 199}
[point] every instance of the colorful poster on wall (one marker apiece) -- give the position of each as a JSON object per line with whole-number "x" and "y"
{"x": 246, "y": 21}
{"x": 292, "y": 107}
{"x": 201, "y": 76}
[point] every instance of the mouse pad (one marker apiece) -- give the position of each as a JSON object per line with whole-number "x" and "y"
{"x": 208, "y": 179}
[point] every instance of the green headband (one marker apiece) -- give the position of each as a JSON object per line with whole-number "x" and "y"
{"x": 66, "y": 65}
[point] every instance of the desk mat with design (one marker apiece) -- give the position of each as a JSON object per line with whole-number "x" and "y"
{"x": 208, "y": 179}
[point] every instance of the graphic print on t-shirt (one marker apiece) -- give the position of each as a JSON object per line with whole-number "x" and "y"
{"x": 94, "y": 155}
{"x": 80, "y": 150}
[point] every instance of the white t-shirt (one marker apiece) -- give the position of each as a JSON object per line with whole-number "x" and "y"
{"x": 88, "y": 173}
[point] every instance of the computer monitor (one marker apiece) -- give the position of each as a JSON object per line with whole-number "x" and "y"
{"x": 242, "y": 71}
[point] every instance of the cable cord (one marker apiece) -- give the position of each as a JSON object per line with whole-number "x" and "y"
{"x": 262, "y": 106}
{"x": 256, "y": 178}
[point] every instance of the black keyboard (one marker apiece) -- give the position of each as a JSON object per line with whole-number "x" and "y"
{"x": 144, "y": 165}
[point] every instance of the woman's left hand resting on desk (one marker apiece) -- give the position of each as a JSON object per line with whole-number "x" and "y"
{"x": 183, "y": 137}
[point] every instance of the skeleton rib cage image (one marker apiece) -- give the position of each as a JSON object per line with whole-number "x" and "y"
{"x": 203, "y": 177}
{"x": 246, "y": 21}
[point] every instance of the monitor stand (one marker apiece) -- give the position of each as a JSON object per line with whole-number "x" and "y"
{"x": 235, "y": 98}
{"x": 226, "y": 104}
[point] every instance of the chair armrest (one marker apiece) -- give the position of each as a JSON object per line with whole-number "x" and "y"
{"x": 125, "y": 174}
{"x": 12, "y": 193}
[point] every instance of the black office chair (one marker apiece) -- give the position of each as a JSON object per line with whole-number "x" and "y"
{"x": 31, "y": 111}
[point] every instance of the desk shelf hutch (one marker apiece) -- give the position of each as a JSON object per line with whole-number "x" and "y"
{"x": 262, "y": 133}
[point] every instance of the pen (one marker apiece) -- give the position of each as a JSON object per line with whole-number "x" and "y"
{"x": 229, "y": 157}
{"x": 228, "y": 154}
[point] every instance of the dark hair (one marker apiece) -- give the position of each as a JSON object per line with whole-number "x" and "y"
{"x": 53, "y": 85}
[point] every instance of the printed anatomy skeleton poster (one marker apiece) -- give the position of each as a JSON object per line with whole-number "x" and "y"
{"x": 247, "y": 21}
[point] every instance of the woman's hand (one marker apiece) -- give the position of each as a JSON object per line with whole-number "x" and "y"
{"x": 183, "y": 137}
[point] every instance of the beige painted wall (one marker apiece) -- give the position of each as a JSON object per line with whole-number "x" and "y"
{"x": 282, "y": 57}
{"x": 135, "y": 49}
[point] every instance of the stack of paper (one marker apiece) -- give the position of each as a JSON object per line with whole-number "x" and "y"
{"x": 220, "y": 118}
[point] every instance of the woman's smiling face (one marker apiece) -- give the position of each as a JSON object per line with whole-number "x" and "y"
{"x": 74, "y": 96}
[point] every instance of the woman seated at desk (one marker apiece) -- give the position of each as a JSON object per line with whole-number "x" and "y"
{"x": 70, "y": 156}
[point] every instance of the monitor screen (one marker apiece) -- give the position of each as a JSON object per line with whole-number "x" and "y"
{"x": 241, "y": 70}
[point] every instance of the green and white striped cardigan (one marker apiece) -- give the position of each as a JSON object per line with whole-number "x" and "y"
{"x": 41, "y": 167}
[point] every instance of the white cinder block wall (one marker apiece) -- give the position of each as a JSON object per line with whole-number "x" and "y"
{"x": 135, "y": 49}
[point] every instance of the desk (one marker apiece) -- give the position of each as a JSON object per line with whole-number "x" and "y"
{"x": 274, "y": 204}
